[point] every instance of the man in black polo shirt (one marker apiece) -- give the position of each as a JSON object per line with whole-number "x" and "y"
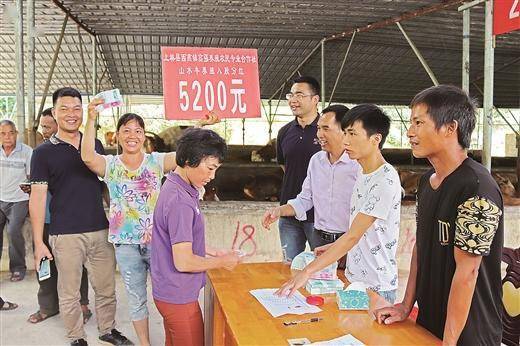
{"x": 296, "y": 142}
{"x": 78, "y": 227}
{"x": 455, "y": 269}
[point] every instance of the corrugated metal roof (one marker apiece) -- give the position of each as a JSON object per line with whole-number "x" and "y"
{"x": 381, "y": 67}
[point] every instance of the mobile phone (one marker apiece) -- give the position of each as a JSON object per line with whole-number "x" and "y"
{"x": 45, "y": 269}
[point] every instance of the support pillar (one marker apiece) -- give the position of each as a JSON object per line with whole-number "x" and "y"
{"x": 51, "y": 70}
{"x": 322, "y": 97}
{"x": 19, "y": 62}
{"x": 419, "y": 55}
{"x": 465, "y": 49}
{"x": 489, "y": 62}
{"x": 31, "y": 83}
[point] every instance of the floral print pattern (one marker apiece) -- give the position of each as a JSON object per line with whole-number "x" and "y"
{"x": 133, "y": 195}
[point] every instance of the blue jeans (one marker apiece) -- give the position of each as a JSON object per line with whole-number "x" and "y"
{"x": 134, "y": 264}
{"x": 293, "y": 236}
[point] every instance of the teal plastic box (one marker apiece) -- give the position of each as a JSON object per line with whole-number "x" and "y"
{"x": 352, "y": 299}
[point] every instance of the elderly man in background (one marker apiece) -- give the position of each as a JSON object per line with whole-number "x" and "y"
{"x": 15, "y": 162}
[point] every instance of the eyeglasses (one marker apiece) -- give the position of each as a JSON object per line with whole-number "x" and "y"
{"x": 297, "y": 96}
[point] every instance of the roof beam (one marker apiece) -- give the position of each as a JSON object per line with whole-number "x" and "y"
{"x": 404, "y": 16}
{"x": 73, "y": 17}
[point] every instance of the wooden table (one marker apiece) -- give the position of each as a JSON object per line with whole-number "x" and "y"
{"x": 234, "y": 317}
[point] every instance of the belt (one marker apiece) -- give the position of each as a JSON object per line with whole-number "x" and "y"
{"x": 328, "y": 236}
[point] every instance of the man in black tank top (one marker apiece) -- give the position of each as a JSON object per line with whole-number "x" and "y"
{"x": 455, "y": 268}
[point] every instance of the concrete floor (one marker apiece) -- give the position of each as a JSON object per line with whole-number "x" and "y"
{"x": 15, "y": 330}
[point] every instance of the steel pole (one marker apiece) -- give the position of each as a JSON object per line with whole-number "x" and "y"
{"x": 53, "y": 65}
{"x": 94, "y": 66}
{"x": 465, "y": 49}
{"x": 488, "y": 86}
{"x": 31, "y": 83}
{"x": 270, "y": 117}
{"x": 19, "y": 61}
{"x": 94, "y": 74}
{"x": 419, "y": 55}
{"x": 322, "y": 74}
{"x": 342, "y": 66}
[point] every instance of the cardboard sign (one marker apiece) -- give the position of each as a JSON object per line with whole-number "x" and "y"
{"x": 198, "y": 80}
{"x": 506, "y": 16}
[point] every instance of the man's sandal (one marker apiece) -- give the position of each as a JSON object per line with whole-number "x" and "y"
{"x": 17, "y": 276}
{"x": 38, "y": 317}
{"x": 10, "y": 306}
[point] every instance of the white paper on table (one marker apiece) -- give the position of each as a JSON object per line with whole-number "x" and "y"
{"x": 278, "y": 306}
{"x": 345, "y": 340}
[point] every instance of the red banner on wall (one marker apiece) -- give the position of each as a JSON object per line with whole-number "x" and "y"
{"x": 506, "y": 16}
{"x": 198, "y": 80}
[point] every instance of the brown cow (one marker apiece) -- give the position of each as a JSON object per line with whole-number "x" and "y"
{"x": 110, "y": 139}
{"x": 409, "y": 183}
{"x": 507, "y": 188}
{"x": 268, "y": 152}
{"x": 263, "y": 188}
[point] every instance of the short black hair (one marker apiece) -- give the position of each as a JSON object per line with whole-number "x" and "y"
{"x": 373, "y": 119}
{"x": 47, "y": 112}
{"x": 125, "y": 118}
{"x": 338, "y": 110}
{"x": 62, "y": 92}
{"x": 311, "y": 81}
{"x": 196, "y": 144}
{"x": 448, "y": 103}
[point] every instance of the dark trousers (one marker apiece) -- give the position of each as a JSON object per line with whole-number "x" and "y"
{"x": 48, "y": 291}
{"x": 13, "y": 214}
{"x": 328, "y": 238}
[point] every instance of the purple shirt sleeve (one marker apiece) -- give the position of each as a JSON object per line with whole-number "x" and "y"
{"x": 180, "y": 223}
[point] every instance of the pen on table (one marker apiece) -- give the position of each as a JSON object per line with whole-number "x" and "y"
{"x": 310, "y": 320}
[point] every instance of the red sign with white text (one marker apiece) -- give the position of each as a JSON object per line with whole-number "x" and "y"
{"x": 198, "y": 80}
{"x": 506, "y": 16}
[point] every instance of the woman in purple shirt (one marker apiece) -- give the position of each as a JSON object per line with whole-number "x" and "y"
{"x": 180, "y": 256}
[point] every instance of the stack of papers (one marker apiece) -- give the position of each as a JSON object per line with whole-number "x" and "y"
{"x": 324, "y": 286}
{"x": 303, "y": 259}
{"x": 278, "y": 306}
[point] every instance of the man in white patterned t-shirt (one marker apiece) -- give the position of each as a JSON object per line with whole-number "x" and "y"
{"x": 371, "y": 241}
{"x": 372, "y": 259}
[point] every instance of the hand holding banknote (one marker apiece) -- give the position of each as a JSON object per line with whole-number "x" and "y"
{"x": 111, "y": 98}
{"x": 92, "y": 108}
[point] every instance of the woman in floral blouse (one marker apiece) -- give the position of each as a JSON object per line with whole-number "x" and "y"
{"x": 134, "y": 181}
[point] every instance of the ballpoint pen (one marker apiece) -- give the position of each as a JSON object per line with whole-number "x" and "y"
{"x": 291, "y": 323}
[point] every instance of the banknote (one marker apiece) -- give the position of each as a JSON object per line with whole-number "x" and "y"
{"x": 112, "y": 98}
